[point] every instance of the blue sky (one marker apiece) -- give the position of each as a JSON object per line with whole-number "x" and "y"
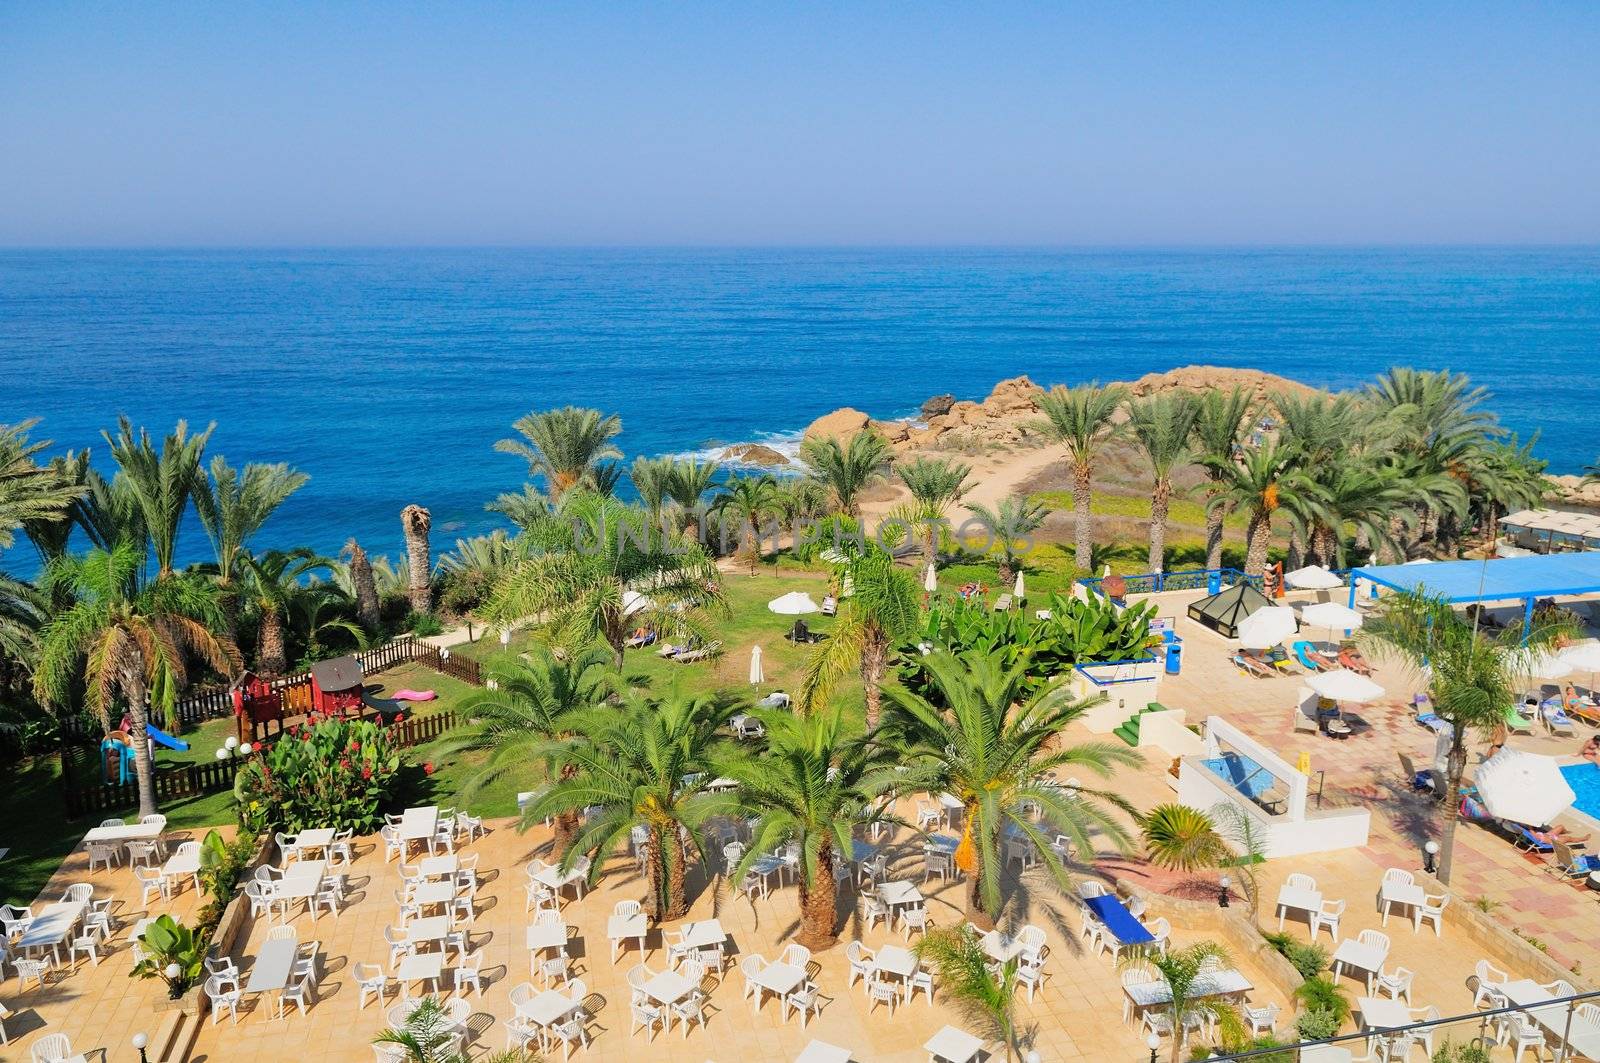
{"x": 799, "y": 123}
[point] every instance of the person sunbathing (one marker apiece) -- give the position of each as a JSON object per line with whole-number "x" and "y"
{"x": 1591, "y": 749}
{"x": 1559, "y": 833}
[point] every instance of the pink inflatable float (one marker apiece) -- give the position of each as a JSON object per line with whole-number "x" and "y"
{"x": 413, "y": 695}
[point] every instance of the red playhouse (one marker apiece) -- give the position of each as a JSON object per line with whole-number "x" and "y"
{"x": 336, "y": 686}
{"x": 256, "y": 702}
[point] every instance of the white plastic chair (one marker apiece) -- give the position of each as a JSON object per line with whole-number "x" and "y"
{"x": 749, "y": 967}
{"x": 371, "y": 980}
{"x": 1397, "y": 983}
{"x": 861, "y": 963}
{"x": 805, "y": 999}
{"x": 881, "y": 991}
{"x": 1432, "y": 910}
{"x": 52, "y": 1048}
{"x": 221, "y": 996}
{"x": 469, "y": 972}
{"x": 1327, "y": 916}
{"x": 935, "y": 862}
{"x": 1485, "y": 984}
{"x": 795, "y": 955}
{"x": 151, "y": 881}
{"x": 1262, "y": 1020}
{"x": 646, "y": 1017}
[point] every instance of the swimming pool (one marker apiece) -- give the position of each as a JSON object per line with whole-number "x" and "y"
{"x": 1585, "y": 782}
{"x": 1242, "y": 773}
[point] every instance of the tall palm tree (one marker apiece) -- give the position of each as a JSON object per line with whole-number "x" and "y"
{"x": 1262, "y": 481}
{"x": 880, "y": 611}
{"x": 269, "y": 583}
{"x": 1011, "y": 521}
{"x": 1501, "y": 476}
{"x": 527, "y": 508}
{"x": 233, "y": 505}
{"x": 747, "y": 501}
{"x": 1353, "y": 493}
{"x": 1219, "y": 432}
{"x": 687, "y": 483}
{"x": 645, "y": 764}
{"x": 811, "y": 786}
{"x": 564, "y": 445}
{"x": 1083, "y": 420}
{"x": 847, "y": 469}
{"x": 417, "y": 522}
{"x": 1162, "y": 425}
{"x": 23, "y": 610}
{"x": 599, "y": 551}
{"x": 803, "y": 501}
{"x": 1181, "y": 838}
{"x": 1179, "y": 970}
{"x": 984, "y": 992}
{"x": 651, "y": 478}
{"x": 363, "y": 586}
{"x": 519, "y": 724}
{"x": 319, "y": 614}
{"x": 980, "y": 736}
{"x": 934, "y": 483}
{"x": 1471, "y": 676}
{"x": 30, "y": 492}
{"x": 128, "y": 642}
{"x": 162, "y": 482}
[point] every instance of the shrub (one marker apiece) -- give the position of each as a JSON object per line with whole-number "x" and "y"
{"x": 423, "y": 624}
{"x": 1324, "y": 994}
{"x": 1317, "y": 1024}
{"x": 332, "y": 772}
{"x": 1454, "y": 1053}
{"x": 221, "y": 864}
{"x": 1309, "y": 960}
{"x": 167, "y": 942}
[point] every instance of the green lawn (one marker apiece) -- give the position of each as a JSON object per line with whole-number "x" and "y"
{"x": 1137, "y": 507}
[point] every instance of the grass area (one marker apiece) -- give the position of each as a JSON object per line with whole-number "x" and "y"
{"x": 1185, "y": 511}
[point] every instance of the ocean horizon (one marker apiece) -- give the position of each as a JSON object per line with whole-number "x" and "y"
{"x": 387, "y": 374}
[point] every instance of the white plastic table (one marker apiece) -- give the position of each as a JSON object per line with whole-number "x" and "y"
{"x": 822, "y": 1052}
{"x": 1380, "y": 1013}
{"x": 778, "y": 979}
{"x": 434, "y": 893}
{"x": 559, "y": 880}
{"x": 433, "y": 928}
{"x": 420, "y": 967}
{"x": 180, "y": 864}
{"x": 620, "y": 928}
{"x": 998, "y": 946}
{"x": 437, "y": 866}
{"x": 1352, "y": 953}
{"x": 135, "y": 832}
{"x": 547, "y": 936}
{"x": 419, "y": 824}
{"x": 899, "y": 892}
{"x": 51, "y": 927}
{"x": 953, "y": 1045}
{"x": 271, "y": 971}
{"x": 703, "y": 934}
{"x": 668, "y": 987}
{"x": 1406, "y": 894}
{"x": 549, "y": 1007}
{"x": 315, "y": 838}
{"x": 1583, "y": 1038}
{"x": 1210, "y": 984}
{"x": 892, "y": 959}
{"x": 1298, "y": 898}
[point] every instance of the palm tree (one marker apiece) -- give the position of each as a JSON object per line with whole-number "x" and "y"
{"x": 317, "y": 614}
{"x": 1504, "y": 476}
{"x": 848, "y": 469}
{"x": 417, "y": 521}
{"x": 30, "y": 492}
{"x": 22, "y": 613}
{"x": 645, "y": 764}
{"x": 1162, "y": 424}
{"x": 980, "y": 736}
{"x": 363, "y": 586}
{"x": 429, "y": 1036}
{"x": 1471, "y": 676}
{"x": 1179, "y": 970}
{"x": 802, "y": 501}
{"x": 161, "y": 483}
{"x": 687, "y": 483}
{"x": 746, "y": 500}
{"x": 270, "y": 582}
{"x": 527, "y": 508}
{"x": 1181, "y": 838}
{"x": 1354, "y": 493}
{"x": 233, "y": 506}
{"x": 934, "y": 483}
{"x": 984, "y": 993}
{"x": 1011, "y": 522}
{"x": 517, "y": 725}
{"x": 1082, "y": 420}
{"x": 128, "y": 642}
{"x": 563, "y": 445}
{"x": 51, "y": 531}
{"x": 810, "y": 787}
{"x": 1265, "y": 479}
{"x": 651, "y": 478}
{"x": 880, "y": 611}
{"x": 599, "y": 551}
{"x": 1219, "y": 432}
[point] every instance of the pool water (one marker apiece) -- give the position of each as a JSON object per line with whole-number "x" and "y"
{"x": 1585, "y": 782}
{"x": 1242, "y": 773}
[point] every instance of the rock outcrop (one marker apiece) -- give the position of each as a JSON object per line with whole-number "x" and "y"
{"x": 1198, "y": 379}
{"x": 754, "y": 454}
{"x": 937, "y": 405}
{"x": 841, "y": 424}
{"x": 1572, "y": 491}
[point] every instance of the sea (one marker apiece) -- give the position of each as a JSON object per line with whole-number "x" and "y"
{"x": 388, "y": 375}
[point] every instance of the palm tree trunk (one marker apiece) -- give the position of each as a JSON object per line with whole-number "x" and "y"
{"x": 143, "y": 768}
{"x": 1081, "y": 488}
{"x": 1457, "y": 767}
{"x": 270, "y": 655}
{"x": 1294, "y": 557}
{"x": 566, "y": 823}
{"x": 1214, "y": 517}
{"x": 819, "y": 904}
{"x": 874, "y": 661}
{"x": 1160, "y": 502}
{"x": 977, "y": 915}
{"x": 677, "y": 896}
{"x": 755, "y": 545}
{"x": 1255, "y": 561}
{"x": 417, "y": 522}
{"x": 364, "y": 586}
{"x": 228, "y": 606}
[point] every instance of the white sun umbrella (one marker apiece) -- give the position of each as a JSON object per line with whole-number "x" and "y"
{"x": 1342, "y": 684}
{"x": 633, "y": 602}
{"x": 1585, "y": 657}
{"x": 1332, "y": 616}
{"x": 757, "y": 676}
{"x": 793, "y": 604}
{"x": 1313, "y": 578}
{"x": 1549, "y": 666}
{"x": 1020, "y": 591}
{"x": 1523, "y": 787}
{"x": 930, "y": 579}
{"x": 1266, "y": 627}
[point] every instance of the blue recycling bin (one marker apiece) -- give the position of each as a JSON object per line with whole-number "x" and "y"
{"x": 1174, "y": 648}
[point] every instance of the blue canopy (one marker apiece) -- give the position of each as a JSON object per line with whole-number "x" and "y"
{"x": 1498, "y": 579}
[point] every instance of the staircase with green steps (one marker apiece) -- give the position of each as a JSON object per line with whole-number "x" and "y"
{"x": 1128, "y": 730}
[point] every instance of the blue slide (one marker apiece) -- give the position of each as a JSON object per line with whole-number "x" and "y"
{"x": 161, "y": 738}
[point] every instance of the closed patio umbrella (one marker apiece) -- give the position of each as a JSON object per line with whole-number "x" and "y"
{"x": 1342, "y": 684}
{"x": 930, "y": 579}
{"x": 1020, "y": 591}
{"x": 757, "y": 676}
{"x": 1523, "y": 787}
{"x": 1267, "y": 627}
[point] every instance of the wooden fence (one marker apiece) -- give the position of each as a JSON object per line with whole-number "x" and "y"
{"x": 215, "y": 776}
{"x": 463, "y": 668}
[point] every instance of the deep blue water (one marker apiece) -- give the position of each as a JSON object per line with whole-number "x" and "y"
{"x": 388, "y": 375}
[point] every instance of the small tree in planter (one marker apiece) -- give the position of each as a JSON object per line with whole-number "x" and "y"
{"x": 331, "y": 772}
{"x": 173, "y": 953}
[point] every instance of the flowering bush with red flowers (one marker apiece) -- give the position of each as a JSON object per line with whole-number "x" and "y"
{"x": 327, "y": 772}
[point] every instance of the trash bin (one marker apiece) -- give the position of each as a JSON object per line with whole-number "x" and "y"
{"x": 1174, "y": 656}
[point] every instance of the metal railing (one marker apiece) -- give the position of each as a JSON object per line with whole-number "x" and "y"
{"x": 1565, "y": 1028}
{"x": 1184, "y": 580}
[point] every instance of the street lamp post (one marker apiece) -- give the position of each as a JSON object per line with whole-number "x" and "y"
{"x": 1153, "y": 1042}
{"x": 1222, "y": 891}
{"x": 139, "y": 1042}
{"x": 1430, "y": 849}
